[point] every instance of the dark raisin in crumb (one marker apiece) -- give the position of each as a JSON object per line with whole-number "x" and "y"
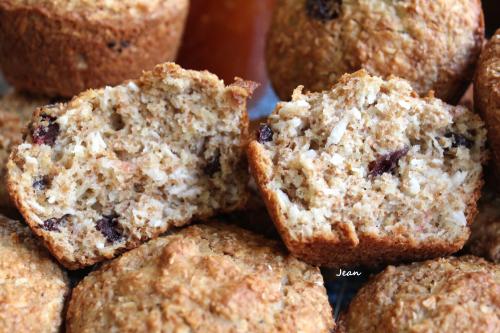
{"x": 213, "y": 165}
{"x": 47, "y": 132}
{"x": 41, "y": 183}
{"x": 387, "y": 162}
{"x": 111, "y": 44}
{"x": 108, "y": 227}
{"x": 458, "y": 140}
{"x": 124, "y": 44}
{"x": 323, "y": 10}
{"x": 264, "y": 133}
{"x": 54, "y": 223}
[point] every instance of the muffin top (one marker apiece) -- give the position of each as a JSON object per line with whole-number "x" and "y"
{"x": 205, "y": 278}
{"x": 95, "y": 9}
{"x": 432, "y": 44}
{"x": 442, "y": 295}
{"x": 32, "y": 286}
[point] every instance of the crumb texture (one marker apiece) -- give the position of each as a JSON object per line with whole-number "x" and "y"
{"x": 206, "y": 278}
{"x": 32, "y": 286}
{"x": 15, "y": 112}
{"x": 369, "y": 159}
{"x": 487, "y": 94}
{"x": 120, "y": 165}
{"x": 432, "y": 44}
{"x": 443, "y": 295}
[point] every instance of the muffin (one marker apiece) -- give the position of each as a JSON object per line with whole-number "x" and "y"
{"x": 485, "y": 236}
{"x": 60, "y": 48}
{"x": 487, "y": 94}
{"x": 368, "y": 173}
{"x": 432, "y": 44}
{"x": 117, "y": 166}
{"x": 32, "y": 286}
{"x": 205, "y": 278}
{"x": 15, "y": 112}
{"x": 443, "y": 295}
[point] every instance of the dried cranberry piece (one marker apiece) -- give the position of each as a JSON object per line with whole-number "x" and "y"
{"x": 387, "y": 162}
{"x": 54, "y": 223}
{"x": 458, "y": 140}
{"x": 264, "y": 133}
{"x": 41, "y": 183}
{"x": 323, "y": 10}
{"x": 213, "y": 165}
{"x": 108, "y": 227}
{"x": 47, "y": 132}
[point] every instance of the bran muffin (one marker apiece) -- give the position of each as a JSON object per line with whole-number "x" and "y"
{"x": 61, "y": 48}
{"x": 432, "y": 44}
{"x": 120, "y": 165}
{"x": 485, "y": 231}
{"x": 205, "y": 278}
{"x": 487, "y": 94}
{"x": 15, "y": 112}
{"x": 368, "y": 173}
{"x": 32, "y": 286}
{"x": 443, "y": 295}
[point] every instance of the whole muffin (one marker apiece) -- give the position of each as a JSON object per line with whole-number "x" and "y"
{"x": 60, "y": 48}
{"x": 32, "y": 286}
{"x": 487, "y": 94}
{"x": 432, "y": 44}
{"x": 368, "y": 173}
{"x": 206, "y": 278}
{"x": 15, "y": 112}
{"x": 443, "y": 295}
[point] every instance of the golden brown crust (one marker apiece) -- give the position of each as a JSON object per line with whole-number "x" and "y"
{"x": 204, "y": 278}
{"x": 399, "y": 38}
{"x": 487, "y": 94}
{"x": 62, "y": 54}
{"x": 32, "y": 286}
{"x": 443, "y": 295}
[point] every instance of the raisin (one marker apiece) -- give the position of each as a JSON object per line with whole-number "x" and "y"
{"x": 265, "y": 133}
{"x": 108, "y": 227}
{"x": 387, "y": 162}
{"x": 124, "y": 44}
{"x": 111, "y": 44}
{"x": 54, "y": 223}
{"x": 47, "y": 132}
{"x": 41, "y": 183}
{"x": 213, "y": 165}
{"x": 323, "y": 10}
{"x": 459, "y": 140}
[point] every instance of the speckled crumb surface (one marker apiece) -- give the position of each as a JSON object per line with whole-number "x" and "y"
{"x": 205, "y": 278}
{"x": 443, "y": 295}
{"x": 433, "y": 44}
{"x": 15, "y": 112}
{"x": 32, "y": 285}
{"x": 368, "y": 173}
{"x": 485, "y": 231}
{"x": 117, "y": 166}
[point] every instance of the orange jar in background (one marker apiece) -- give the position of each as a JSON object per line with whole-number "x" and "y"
{"x": 228, "y": 37}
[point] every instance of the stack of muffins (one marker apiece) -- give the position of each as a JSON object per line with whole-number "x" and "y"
{"x": 135, "y": 185}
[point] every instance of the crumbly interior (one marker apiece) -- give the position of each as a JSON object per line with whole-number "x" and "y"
{"x": 15, "y": 112}
{"x": 444, "y": 295}
{"x": 120, "y": 165}
{"x": 326, "y": 162}
{"x": 97, "y": 9}
{"x": 206, "y": 278}
{"x": 32, "y": 286}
